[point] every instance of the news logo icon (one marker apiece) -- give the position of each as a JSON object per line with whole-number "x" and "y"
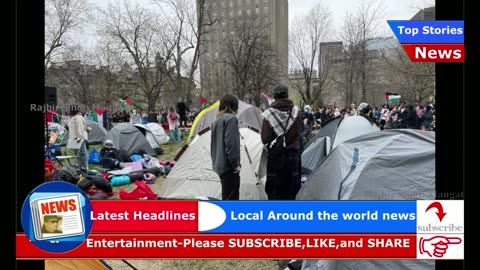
{"x": 56, "y": 216}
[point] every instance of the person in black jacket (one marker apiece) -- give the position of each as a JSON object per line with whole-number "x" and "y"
{"x": 282, "y": 124}
{"x": 110, "y": 157}
{"x": 182, "y": 111}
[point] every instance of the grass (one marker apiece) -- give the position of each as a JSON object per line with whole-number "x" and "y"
{"x": 170, "y": 150}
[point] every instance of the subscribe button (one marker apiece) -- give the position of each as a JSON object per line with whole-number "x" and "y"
{"x": 431, "y": 41}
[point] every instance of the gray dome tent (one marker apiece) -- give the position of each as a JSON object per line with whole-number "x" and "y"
{"x": 396, "y": 164}
{"x": 247, "y": 114}
{"x": 127, "y": 137}
{"x": 96, "y": 136}
{"x": 193, "y": 175}
{"x": 331, "y": 135}
{"x": 154, "y": 133}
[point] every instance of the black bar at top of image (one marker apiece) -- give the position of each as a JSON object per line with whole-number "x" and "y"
{"x": 450, "y": 117}
{"x": 30, "y": 87}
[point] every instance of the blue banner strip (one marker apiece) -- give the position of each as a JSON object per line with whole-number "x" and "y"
{"x": 317, "y": 217}
{"x": 428, "y": 31}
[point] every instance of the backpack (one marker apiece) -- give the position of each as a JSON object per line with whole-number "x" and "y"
{"x": 70, "y": 173}
{"x": 94, "y": 157}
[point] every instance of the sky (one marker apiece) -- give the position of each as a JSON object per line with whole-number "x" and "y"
{"x": 394, "y": 9}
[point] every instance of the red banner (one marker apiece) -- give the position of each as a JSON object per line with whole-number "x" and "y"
{"x": 435, "y": 52}
{"x": 144, "y": 216}
{"x": 254, "y": 246}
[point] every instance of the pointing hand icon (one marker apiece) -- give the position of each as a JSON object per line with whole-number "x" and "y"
{"x": 437, "y": 246}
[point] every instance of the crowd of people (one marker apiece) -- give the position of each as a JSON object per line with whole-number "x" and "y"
{"x": 387, "y": 116}
{"x": 186, "y": 115}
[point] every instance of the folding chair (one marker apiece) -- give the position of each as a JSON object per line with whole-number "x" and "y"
{"x": 54, "y": 150}
{"x": 72, "y": 144}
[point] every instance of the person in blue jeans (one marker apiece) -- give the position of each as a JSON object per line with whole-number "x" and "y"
{"x": 78, "y": 131}
{"x": 173, "y": 119}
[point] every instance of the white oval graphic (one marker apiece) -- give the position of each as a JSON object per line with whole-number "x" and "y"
{"x": 210, "y": 216}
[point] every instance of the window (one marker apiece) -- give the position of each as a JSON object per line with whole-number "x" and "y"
{"x": 248, "y": 11}
{"x": 216, "y": 54}
{"x": 223, "y": 34}
{"x": 265, "y": 10}
{"x": 230, "y": 4}
{"x": 257, "y": 10}
{"x": 239, "y": 12}
{"x": 214, "y": 4}
{"x": 239, "y": 3}
{"x": 230, "y": 13}
{"x": 223, "y": 4}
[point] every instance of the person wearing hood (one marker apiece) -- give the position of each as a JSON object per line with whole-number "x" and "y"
{"x": 282, "y": 124}
{"x": 110, "y": 157}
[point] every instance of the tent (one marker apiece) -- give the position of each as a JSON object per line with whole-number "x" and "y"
{"x": 127, "y": 137}
{"x": 331, "y": 135}
{"x": 248, "y": 116}
{"x": 397, "y": 164}
{"x": 193, "y": 175}
{"x": 154, "y": 133}
{"x": 96, "y": 136}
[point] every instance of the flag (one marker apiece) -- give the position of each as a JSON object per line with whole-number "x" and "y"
{"x": 126, "y": 102}
{"x": 266, "y": 100}
{"x": 393, "y": 99}
{"x": 202, "y": 100}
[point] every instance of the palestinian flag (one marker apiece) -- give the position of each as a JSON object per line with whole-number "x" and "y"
{"x": 126, "y": 102}
{"x": 266, "y": 100}
{"x": 202, "y": 100}
{"x": 392, "y": 98}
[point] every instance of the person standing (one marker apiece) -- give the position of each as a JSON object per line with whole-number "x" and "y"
{"x": 225, "y": 147}
{"x": 135, "y": 118}
{"x": 182, "y": 111}
{"x": 78, "y": 133}
{"x": 282, "y": 124}
{"x": 172, "y": 117}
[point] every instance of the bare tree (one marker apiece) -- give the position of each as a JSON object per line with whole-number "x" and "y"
{"x": 188, "y": 24}
{"x": 415, "y": 80}
{"x": 304, "y": 41}
{"x": 249, "y": 55}
{"x": 107, "y": 81}
{"x": 75, "y": 77}
{"x": 360, "y": 29}
{"x": 61, "y": 17}
{"x": 147, "y": 44}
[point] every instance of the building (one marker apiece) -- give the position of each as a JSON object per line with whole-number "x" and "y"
{"x": 329, "y": 51}
{"x": 272, "y": 17}
{"x": 427, "y": 14}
